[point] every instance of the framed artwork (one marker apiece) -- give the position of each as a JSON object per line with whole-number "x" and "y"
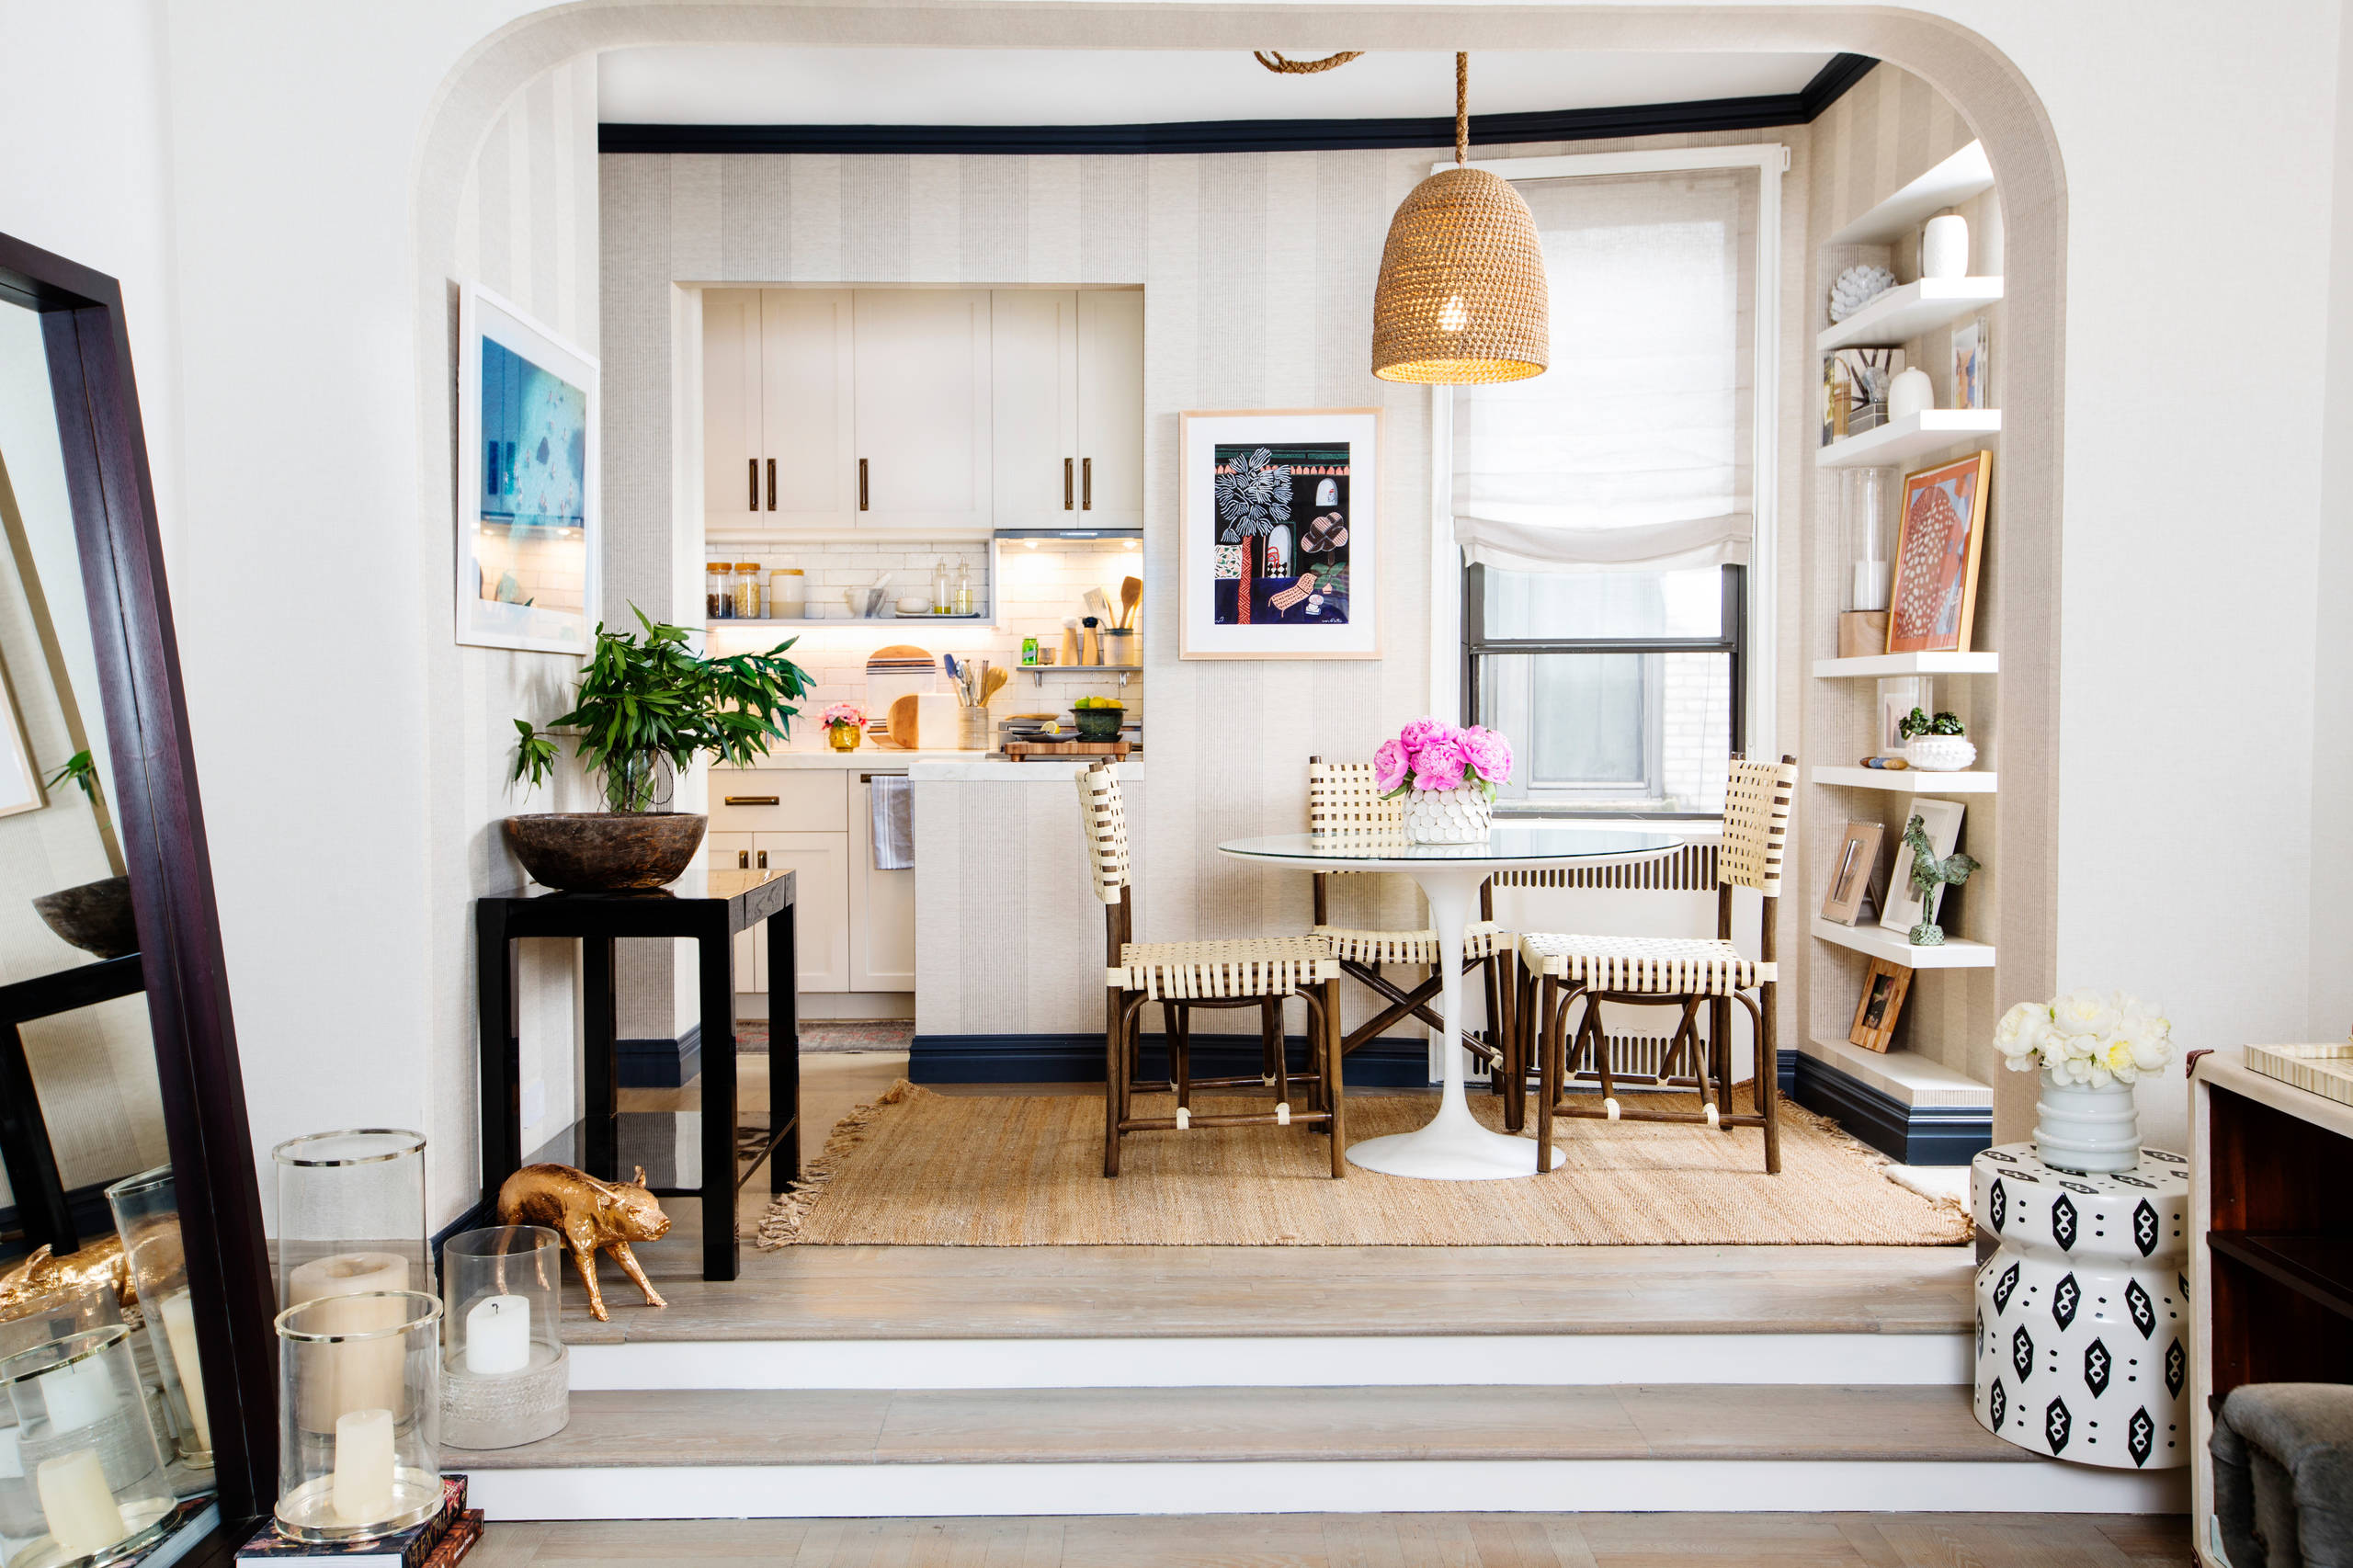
{"x": 1280, "y": 556}
{"x": 20, "y": 786}
{"x": 1897, "y": 697}
{"x": 529, "y": 520}
{"x": 1938, "y": 537}
{"x": 1851, "y": 872}
{"x": 1940, "y": 819}
{"x": 1881, "y": 1003}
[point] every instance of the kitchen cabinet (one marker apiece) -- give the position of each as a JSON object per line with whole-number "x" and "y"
{"x": 821, "y": 899}
{"x": 921, "y": 399}
{"x": 856, "y": 925}
{"x": 881, "y": 908}
{"x": 778, "y": 409}
{"x": 1067, "y": 389}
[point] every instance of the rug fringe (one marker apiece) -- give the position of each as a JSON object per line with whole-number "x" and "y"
{"x": 780, "y": 1226}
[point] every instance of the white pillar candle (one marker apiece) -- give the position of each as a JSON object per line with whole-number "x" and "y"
{"x": 178, "y": 1313}
{"x": 340, "y": 1378}
{"x": 498, "y": 1336}
{"x": 79, "y": 1396}
{"x": 363, "y": 1467}
{"x": 82, "y": 1513}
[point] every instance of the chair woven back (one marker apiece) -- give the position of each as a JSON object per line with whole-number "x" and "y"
{"x": 1343, "y": 799}
{"x": 1104, "y": 816}
{"x": 1757, "y": 825}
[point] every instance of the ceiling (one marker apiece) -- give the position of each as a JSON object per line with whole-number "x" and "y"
{"x": 758, "y": 85}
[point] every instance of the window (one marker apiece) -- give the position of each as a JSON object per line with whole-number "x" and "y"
{"x": 1605, "y": 509}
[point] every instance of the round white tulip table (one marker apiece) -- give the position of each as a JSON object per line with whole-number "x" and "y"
{"x": 1452, "y": 1146}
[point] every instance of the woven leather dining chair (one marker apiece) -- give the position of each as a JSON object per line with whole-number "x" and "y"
{"x": 1261, "y": 972}
{"x": 1343, "y": 799}
{"x": 1674, "y": 972}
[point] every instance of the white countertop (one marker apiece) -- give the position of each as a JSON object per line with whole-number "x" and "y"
{"x": 930, "y": 766}
{"x": 866, "y": 756}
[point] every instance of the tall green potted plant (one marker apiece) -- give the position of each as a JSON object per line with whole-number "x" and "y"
{"x": 643, "y": 701}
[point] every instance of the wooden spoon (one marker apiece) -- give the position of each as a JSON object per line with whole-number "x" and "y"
{"x": 1130, "y": 596}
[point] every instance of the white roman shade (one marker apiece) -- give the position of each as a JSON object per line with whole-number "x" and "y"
{"x": 1632, "y": 451}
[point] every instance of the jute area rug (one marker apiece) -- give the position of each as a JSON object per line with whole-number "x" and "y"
{"x": 920, "y": 1169}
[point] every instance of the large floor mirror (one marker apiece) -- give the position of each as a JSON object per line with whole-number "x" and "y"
{"x": 137, "y": 1364}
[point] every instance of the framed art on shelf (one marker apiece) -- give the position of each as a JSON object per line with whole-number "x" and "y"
{"x": 1280, "y": 518}
{"x": 529, "y": 520}
{"x": 1940, "y": 532}
{"x": 20, "y": 785}
{"x": 1880, "y": 1006}
{"x": 1856, "y": 864}
{"x": 1940, "y": 819}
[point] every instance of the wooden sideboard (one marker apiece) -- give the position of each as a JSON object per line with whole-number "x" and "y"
{"x": 2271, "y": 1247}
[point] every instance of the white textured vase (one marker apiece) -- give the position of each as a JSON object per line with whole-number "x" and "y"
{"x": 1447, "y": 816}
{"x": 1940, "y": 754}
{"x": 1944, "y": 247}
{"x": 2079, "y": 1128}
{"x": 1911, "y": 393}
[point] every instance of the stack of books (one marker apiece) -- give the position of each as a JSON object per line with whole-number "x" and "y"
{"x": 442, "y": 1541}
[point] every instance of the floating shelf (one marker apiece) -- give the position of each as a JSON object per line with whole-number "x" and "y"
{"x": 1966, "y": 173}
{"x": 1914, "y": 435}
{"x": 1907, "y": 780}
{"x": 1903, "y": 314}
{"x": 1881, "y": 943}
{"x": 1874, "y": 666}
{"x": 1902, "y": 1076}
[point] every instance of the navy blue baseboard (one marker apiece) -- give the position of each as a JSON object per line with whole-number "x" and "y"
{"x": 1915, "y": 1135}
{"x": 660, "y": 1064}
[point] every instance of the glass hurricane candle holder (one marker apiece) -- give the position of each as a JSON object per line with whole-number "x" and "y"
{"x": 358, "y": 1414}
{"x": 504, "y": 1379}
{"x": 89, "y": 1484}
{"x": 351, "y": 1214}
{"x": 36, "y": 1322}
{"x": 1863, "y": 497}
{"x": 147, "y": 1218}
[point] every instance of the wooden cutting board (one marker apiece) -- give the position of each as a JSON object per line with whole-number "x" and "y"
{"x": 1047, "y": 751}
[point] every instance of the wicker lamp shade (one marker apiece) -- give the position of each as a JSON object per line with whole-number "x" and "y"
{"x": 1461, "y": 298}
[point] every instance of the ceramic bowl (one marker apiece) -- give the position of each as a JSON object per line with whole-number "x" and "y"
{"x": 1940, "y": 754}
{"x": 912, "y": 605}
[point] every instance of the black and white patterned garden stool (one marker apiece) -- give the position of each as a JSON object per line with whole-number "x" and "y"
{"x": 2083, "y": 1311}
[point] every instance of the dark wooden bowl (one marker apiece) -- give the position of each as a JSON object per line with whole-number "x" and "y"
{"x": 96, "y": 917}
{"x": 604, "y": 851}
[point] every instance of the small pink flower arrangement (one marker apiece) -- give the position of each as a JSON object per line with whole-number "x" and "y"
{"x": 1430, "y": 754}
{"x": 849, "y": 713}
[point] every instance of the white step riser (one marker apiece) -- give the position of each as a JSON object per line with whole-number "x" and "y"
{"x": 1322, "y": 1486}
{"x": 1539, "y": 1360}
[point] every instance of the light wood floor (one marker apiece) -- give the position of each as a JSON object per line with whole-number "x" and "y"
{"x": 1359, "y": 1541}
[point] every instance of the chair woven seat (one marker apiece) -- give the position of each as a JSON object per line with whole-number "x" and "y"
{"x": 1480, "y": 940}
{"x": 1656, "y": 966}
{"x": 1260, "y": 966}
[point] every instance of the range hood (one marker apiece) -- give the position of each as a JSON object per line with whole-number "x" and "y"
{"x": 1070, "y": 533}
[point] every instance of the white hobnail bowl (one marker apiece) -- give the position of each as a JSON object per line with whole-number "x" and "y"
{"x": 1940, "y": 754}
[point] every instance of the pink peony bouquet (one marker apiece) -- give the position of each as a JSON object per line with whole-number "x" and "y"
{"x": 849, "y": 713}
{"x": 1430, "y": 754}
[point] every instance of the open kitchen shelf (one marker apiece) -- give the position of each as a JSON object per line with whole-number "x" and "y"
{"x": 1879, "y": 942}
{"x": 1909, "y": 780}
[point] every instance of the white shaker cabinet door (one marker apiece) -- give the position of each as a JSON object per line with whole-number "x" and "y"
{"x": 809, "y": 459}
{"x": 731, "y": 467}
{"x": 820, "y": 901}
{"x": 881, "y": 910}
{"x": 1110, "y": 408}
{"x": 729, "y": 852}
{"x": 1033, "y": 372}
{"x": 923, "y": 430}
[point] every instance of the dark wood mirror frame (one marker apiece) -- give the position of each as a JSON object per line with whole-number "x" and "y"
{"x": 162, "y": 826}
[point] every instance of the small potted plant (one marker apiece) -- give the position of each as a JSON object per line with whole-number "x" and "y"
{"x": 1448, "y": 778}
{"x": 845, "y": 726}
{"x": 643, "y": 701}
{"x": 96, "y": 916}
{"x": 1935, "y": 744}
{"x": 1099, "y": 718}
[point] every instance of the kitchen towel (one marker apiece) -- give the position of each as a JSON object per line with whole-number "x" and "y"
{"x": 892, "y": 801}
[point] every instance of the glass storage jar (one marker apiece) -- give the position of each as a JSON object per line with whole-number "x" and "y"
{"x": 718, "y": 599}
{"x": 358, "y": 1415}
{"x": 88, "y": 1485}
{"x": 147, "y": 1217}
{"x": 748, "y": 590}
{"x": 788, "y": 594}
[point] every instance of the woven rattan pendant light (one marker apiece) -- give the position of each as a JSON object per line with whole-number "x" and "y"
{"x": 1461, "y": 297}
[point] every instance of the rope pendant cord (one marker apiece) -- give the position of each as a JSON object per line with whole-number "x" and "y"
{"x": 1462, "y": 109}
{"x": 1273, "y": 61}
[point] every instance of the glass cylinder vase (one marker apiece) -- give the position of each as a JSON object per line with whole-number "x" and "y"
{"x": 358, "y": 1415}
{"x": 39, "y": 1321}
{"x": 88, "y": 1485}
{"x": 351, "y": 1214}
{"x": 504, "y": 1379}
{"x": 147, "y": 1218}
{"x": 1863, "y": 497}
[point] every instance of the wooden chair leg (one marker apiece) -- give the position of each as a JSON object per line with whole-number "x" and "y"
{"x": 1511, "y": 1071}
{"x": 1768, "y": 1085}
{"x": 1180, "y": 1058}
{"x": 1270, "y": 1039}
{"x": 1590, "y": 1028}
{"x": 1115, "y": 1065}
{"x": 1548, "y": 1081}
{"x": 1332, "y": 1087}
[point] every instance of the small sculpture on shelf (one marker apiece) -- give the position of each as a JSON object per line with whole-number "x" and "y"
{"x": 1930, "y": 877}
{"x": 590, "y": 1215}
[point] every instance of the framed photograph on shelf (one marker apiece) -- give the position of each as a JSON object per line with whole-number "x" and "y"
{"x": 20, "y": 785}
{"x": 1280, "y": 519}
{"x": 529, "y": 520}
{"x": 1940, "y": 819}
{"x": 1852, "y": 871}
{"x": 1880, "y": 1006}
{"x": 1939, "y": 534}
{"x": 1898, "y": 695}
{"x": 1972, "y": 363}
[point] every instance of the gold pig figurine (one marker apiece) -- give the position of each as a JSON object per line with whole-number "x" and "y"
{"x": 40, "y": 1275}
{"x": 590, "y": 1215}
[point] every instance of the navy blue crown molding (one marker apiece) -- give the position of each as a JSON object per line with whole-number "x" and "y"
{"x": 1799, "y": 107}
{"x": 1911, "y": 1135}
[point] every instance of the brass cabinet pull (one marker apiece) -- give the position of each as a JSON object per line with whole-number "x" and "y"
{"x": 753, "y": 505}
{"x": 1087, "y": 486}
{"x": 771, "y": 484}
{"x": 752, "y": 799}
{"x": 764, "y": 859}
{"x": 743, "y": 859}
{"x": 861, "y": 484}
{"x": 871, "y": 777}
{"x": 1067, "y": 465}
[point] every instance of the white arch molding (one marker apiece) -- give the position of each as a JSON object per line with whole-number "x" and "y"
{"x": 1979, "y": 80}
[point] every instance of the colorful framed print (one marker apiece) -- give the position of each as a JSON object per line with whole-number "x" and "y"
{"x": 529, "y": 523}
{"x": 1880, "y": 1006}
{"x": 1939, "y": 538}
{"x": 1280, "y": 555}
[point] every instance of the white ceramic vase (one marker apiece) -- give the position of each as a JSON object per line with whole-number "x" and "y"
{"x": 1940, "y": 754}
{"x": 2080, "y": 1128}
{"x": 1449, "y": 816}
{"x": 1911, "y": 393}
{"x": 1944, "y": 247}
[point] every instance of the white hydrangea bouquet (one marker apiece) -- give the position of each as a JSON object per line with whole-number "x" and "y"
{"x": 2087, "y": 1037}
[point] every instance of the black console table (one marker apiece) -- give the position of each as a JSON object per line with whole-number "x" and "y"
{"x": 709, "y": 908}
{"x": 25, "y": 1149}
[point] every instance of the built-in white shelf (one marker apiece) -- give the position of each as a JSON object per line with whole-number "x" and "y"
{"x": 1880, "y": 942}
{"x": 1914, "y": 435}
{"x": 1876, "y": 666}
{"x": 1904, "y": 313}
{"x": 1909, "y": 780}
{"x": 1906, "y": 1076}
{"x": 1966, "y": 173}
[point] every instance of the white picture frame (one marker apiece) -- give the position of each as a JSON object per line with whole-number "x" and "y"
{"x": 20, "y": 785}
{"x": 530, "y": 532}
{"x": 1940, "y": 819}
{"x": 1299, "y": 626}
